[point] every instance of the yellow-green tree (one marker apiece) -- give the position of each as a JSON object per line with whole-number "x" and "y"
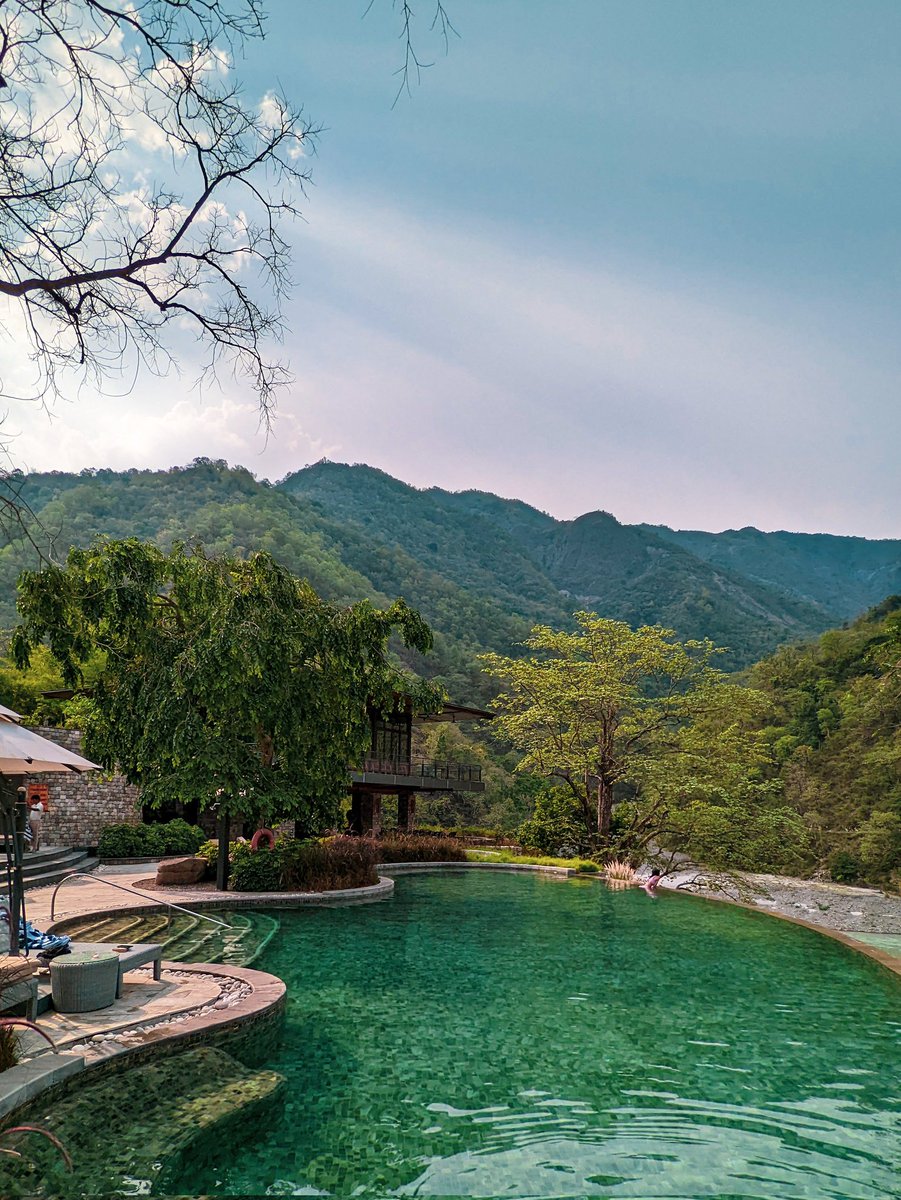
{"x": 609, "y": 710}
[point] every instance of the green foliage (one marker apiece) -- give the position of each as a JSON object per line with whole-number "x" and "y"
{"x": 734, "y": 836}
{"x": 460, "y": 831}
{"x": 880, "y": 843}
{"x": 226, "y": 681}
{"x": 209, "y": 851}
{"x": 837, "y": 740}
{"x": 142, "y": 841}
{"x": 482, "y": 570}
{"x": 844, "y": 867}
{"x": 256, "y": 870}
{"x": 418, "y": 848}
{"x": 584, "y": 866}
{"x": 610, "y": 710}
{"x": 556, "y": 826}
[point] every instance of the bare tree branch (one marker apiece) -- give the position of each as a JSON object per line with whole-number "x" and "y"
{"x": 140, "y": 190}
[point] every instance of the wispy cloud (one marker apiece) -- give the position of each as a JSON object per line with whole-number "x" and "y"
{"x": 471, "y": 357}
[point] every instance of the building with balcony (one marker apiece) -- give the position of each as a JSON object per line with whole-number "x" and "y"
{"x": 392, "y": 769}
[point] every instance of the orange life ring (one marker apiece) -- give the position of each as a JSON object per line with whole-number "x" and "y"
{"x": 258, "y": 837}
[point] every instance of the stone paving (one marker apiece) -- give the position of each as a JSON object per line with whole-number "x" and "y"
{"x": 144, "y": 1001}
{"x": 183, "y": 999}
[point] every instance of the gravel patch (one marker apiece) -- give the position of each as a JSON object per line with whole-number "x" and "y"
{"x": 832, "y": 905}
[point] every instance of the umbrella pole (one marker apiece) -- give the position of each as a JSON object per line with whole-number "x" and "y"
{"x": 14, "y": 817}
{"x": 8, "y": 830}
{"x": 222, "y": 864}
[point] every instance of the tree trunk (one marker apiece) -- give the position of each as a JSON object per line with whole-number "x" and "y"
{"x": 605, "y": 805}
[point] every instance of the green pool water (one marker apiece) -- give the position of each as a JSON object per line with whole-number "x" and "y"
{"x": 494, "y": 1035}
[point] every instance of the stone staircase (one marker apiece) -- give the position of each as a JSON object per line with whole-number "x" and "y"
{"x": 43, "y": 867}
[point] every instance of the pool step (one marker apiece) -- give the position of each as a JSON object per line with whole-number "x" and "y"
{"x": 186, "y": 937}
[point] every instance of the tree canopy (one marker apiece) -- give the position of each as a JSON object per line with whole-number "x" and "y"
{"x": 610, "y": 713}
{"x": 226, "y": 681}
{"x": 835, "y": 731}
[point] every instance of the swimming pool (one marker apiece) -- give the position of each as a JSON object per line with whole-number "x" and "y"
{"x": 491, "y": 1035}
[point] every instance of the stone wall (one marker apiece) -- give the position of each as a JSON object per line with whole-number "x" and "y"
{"x": 81, "y": 805}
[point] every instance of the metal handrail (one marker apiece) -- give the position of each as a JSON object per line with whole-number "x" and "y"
{"x": 131, "y": 892}
{"x": 427, "y": 768}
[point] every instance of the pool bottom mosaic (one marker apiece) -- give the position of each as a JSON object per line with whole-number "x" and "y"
{"x": 491, "y": 1035}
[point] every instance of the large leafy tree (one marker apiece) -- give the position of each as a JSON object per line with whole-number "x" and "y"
{"x": 611, "y": 712}
{"x": 226, "y": 681}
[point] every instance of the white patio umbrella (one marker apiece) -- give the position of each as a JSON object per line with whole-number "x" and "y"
{"x": 23, "y": 753}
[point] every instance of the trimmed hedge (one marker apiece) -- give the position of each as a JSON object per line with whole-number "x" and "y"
{"x": 145, "y": 841}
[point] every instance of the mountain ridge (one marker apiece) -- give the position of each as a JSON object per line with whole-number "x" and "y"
{"x": 483, "y": 569}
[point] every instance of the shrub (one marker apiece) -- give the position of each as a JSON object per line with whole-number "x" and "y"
{"x": 142, "y": 841}
{"x": 844, "y": 867}
{"x": 416, "y": 848}
{"x": 121, "y": 841}
{"x": 255, "y": 871}
{"x": 556, "y": 826}
{"x": 324, "y": 866}
{"x": 181, "y": 838}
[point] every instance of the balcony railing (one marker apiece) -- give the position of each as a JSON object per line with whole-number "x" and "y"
{"x": 452, "y": 772}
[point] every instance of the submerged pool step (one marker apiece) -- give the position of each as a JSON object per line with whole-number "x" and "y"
{"x": 187, "y": 937}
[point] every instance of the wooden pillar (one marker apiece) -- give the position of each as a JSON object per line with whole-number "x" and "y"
{"x": 370, "y": 814}
{"x": 376, "y": 826}
{"x": 356, "y": 811}
{"x": 406, "y": 811}
{"x": 223, "y": 827}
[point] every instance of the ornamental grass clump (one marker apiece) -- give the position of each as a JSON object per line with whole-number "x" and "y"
{"x": 328, "y": 865}
{"x": 619, "y": 873}
{"x": 414, "y": 848}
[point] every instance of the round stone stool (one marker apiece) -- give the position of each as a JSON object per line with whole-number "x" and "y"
{"x": 84, "y": 982}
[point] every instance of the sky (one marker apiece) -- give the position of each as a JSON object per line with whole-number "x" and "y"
{"x": 628, "y": 255}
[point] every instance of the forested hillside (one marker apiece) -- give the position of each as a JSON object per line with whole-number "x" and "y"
{"x": 836, "y": 738}
{"x": 482, "y": 569}
{"x": 535, "y": 563}
{"x": 846, "y": 575}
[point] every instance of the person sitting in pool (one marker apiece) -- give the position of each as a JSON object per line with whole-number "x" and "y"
{"x": 651, "y": 884}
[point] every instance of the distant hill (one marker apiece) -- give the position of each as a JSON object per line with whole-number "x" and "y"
{"x": 542, "y": 567}
{"x": 481, "y": 568}
{"x": 846, "y": 575}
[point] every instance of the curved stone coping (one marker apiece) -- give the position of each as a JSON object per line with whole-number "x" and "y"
{"x": 407, "y": 868}
{"x": 230, "y": 900}
{"x": 26, "y": 1080}
{"x": 265, "y": 999}
{"x": 267, "y": 994}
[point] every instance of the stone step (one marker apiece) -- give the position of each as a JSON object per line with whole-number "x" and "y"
{"x": 39, "y": 862}
{"x": 36, "y": 861}
{"x": 50, "y": 873}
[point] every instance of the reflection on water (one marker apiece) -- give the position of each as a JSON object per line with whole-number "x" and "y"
{"x": 496, "y": 1036}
